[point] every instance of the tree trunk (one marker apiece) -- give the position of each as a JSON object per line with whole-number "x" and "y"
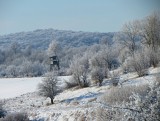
{"x": 52, "y": 101}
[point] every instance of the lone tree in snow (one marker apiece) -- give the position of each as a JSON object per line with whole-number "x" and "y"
{"x": 48, "y": 87}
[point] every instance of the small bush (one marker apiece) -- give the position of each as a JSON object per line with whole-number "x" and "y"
{"x": 119, "y": 95}
{"x": 16, "y": 117}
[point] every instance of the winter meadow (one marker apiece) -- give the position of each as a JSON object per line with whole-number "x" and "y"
{"x": 73, "y": 75}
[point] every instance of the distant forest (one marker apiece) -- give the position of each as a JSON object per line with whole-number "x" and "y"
{"x": 25, "y": 53}
{"x": 40, "y": 39}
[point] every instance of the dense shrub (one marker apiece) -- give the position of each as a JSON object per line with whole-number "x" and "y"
{"x": 16, "y": 117}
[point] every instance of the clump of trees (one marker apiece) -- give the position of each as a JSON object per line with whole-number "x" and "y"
{"x": 16, "y": 61}
{"x": 136, "y": 103}
{"x": 93, "y": 65}
{"x": 140, "y": 41}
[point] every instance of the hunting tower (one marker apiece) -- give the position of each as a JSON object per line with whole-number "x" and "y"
{"x": 54, "y": 63}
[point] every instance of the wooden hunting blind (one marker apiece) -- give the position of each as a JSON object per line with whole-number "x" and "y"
{"x": 54, "y": 63}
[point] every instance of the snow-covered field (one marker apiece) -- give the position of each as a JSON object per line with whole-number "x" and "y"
{"x": 13, "y": 87}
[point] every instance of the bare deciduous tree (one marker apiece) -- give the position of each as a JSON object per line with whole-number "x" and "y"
{"x": 129, "y": 36}
{"x": 150, "y": 31}
{"x": 80, "y": 68}
{"x": 48, "y": 87}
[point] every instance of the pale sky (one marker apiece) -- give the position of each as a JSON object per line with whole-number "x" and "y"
{"x": 76, "y": 15}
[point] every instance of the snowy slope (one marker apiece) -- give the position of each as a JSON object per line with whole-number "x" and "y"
{"x": 72, "y": 104}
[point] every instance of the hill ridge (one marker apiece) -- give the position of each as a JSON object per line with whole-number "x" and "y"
{"x": 40, "y": 38}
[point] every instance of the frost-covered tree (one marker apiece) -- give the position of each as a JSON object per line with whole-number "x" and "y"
{"x": 48, "y": 87}
{"x": 12, "y": 71}
{"x": 150, "y": 31}
{"x": 97, "y": 75}
{"x": 99, "y": 62}
{"x": 54, "y": 48}
{"x": 153, "y": 56}
{"x": 129, "y": 36}
{"x": 139, "y": 63}
{"x": 80, "y": 69}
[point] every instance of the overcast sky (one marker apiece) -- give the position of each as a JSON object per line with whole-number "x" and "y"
{"x": 77, "y": 15}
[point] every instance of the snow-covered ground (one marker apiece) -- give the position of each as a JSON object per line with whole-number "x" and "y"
{"x": 13, "y": 87}
{"x": 70, "y": 105}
